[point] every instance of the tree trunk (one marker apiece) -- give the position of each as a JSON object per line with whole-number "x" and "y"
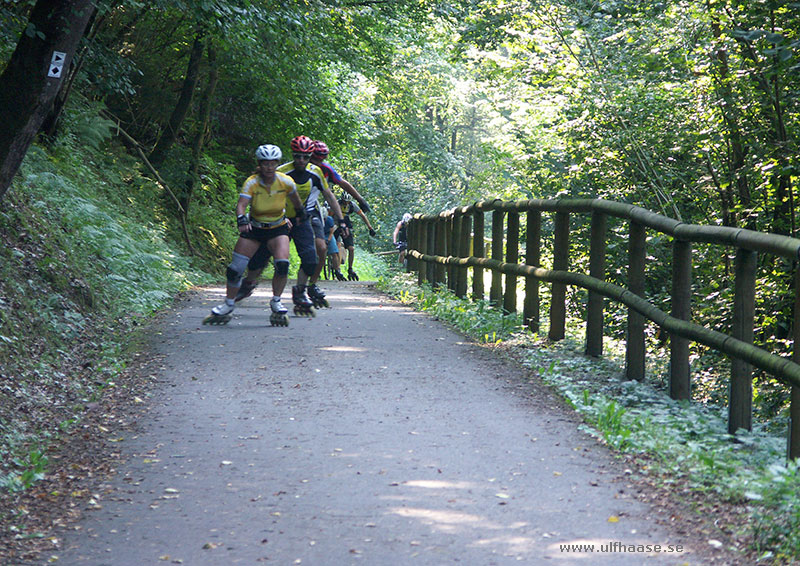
{"x": 735, "y": 138}
{"x": 159, "y": 153}
{"x": 202, "y": 130}
{"x": 34, "y": 74}
{"x": 50, "y": 125}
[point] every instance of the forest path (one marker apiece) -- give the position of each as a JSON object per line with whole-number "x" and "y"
{"x": 371, "y": 434}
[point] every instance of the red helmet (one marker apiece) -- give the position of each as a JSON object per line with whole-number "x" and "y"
{"x": 320, "y": 149}
{"x": 302, "y": 144}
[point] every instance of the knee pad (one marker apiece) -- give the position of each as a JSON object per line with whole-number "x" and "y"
{"x": 236, "y": 269}
{"x": 281, "y": 267}
{"x": 308, "y": 267}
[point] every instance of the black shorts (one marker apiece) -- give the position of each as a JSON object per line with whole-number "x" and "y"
{"x": 348, "y": 241}
{"x": 263, "y": 235}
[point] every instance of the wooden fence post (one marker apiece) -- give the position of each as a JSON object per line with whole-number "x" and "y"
{"x": 413, "y": 242}
{"x": 452, "y": 250}
{"x": 441, "y": 249}
{"x": 635, "y": 344}
{"x": 430, "y": 273}
{"x": 558, "y": 291}
{"x": 463, "y": 251}
{"x": 740, "y": 404}
{"x": 597, "y": 269}
{"x": 679, "y": 380}
{"x": 422, "y": 266}
{"x": 496, "y": 292}
{"x": 533, "y": 234}
{"x": 478, "y": 251}
{"x": 793, "y": 444}
{"x": 512, "y": 257}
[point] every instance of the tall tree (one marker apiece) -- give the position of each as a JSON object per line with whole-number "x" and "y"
{"x": 181, "y": 109}
{"x": 33, "y": 76}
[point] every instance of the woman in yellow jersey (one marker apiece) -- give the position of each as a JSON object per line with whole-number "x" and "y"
{"x": 265, "y": 193}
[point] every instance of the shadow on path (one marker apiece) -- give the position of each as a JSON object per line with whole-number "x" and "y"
{"x": 370, "y": 434}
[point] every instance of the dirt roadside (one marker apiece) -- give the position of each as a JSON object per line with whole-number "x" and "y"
{"x": 371, "y": 434}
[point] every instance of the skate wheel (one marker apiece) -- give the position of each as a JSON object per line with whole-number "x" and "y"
{"x": 217, "y": 320}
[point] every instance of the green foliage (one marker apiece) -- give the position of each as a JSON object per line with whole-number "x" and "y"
{"x": 29, "y": 469}
{"x": 776, "y": 518}
{"x": 478, "y": 319}
{"x": 85, "y": 259}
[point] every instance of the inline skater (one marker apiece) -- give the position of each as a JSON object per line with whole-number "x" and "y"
{"x": 318, "y": 155}
{"x": 265, "y": 193}
{"x": 310, "y": 184}
{"x": 334, "y": 260}
{"x": 347, "y": 206}
{"x": 400, "y": 237}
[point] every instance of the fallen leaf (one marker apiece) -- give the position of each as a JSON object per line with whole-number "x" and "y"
{"x": 613, "y": 519}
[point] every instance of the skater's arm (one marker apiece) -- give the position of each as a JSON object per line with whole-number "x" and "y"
{"x": 241, "y": 218}
{"x": 355, "y": 194}
{"x": 364, "y": 218}
{"x": 396, "y": 232}
{"x": 295, "y": 198}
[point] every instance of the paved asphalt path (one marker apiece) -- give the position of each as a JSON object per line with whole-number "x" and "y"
{"x": 369, "y": 435}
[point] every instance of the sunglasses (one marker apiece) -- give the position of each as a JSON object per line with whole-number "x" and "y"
{"x": 305, "y": 156}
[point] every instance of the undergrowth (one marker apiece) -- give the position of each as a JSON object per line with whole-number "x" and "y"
{"x": 86, "y": 258}
{"x": 684, "y": 441}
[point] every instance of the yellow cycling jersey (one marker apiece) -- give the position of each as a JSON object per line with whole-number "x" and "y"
{"x": 309, "y": 182}
{"x": 268, "y": 204}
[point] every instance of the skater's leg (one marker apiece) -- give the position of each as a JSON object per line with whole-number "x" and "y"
{"x": 255, "y": 267}
{"x": 242, "y": 253}
{"x": 279, "y": 248}
{"x": 322, "y": 251}
{"x": 303, "y": 237}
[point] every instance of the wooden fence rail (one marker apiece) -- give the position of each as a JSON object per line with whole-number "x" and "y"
{"x": 442, "y": 248}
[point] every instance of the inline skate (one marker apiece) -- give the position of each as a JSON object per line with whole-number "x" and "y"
{"x": 302, "y": 304}
{"x": 245, "y": 290}
{"x": 352, "y": 275}
{"x": 317, "y": 297}
{"x": 279, "y": 315}
{"x": 221, "y": 314}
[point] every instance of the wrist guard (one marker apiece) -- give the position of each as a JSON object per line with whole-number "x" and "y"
{"x": 242, "y": 220}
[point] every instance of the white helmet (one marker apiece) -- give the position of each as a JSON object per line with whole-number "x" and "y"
{"x": 268, "y": 152}
{"x": 406, "y": 217}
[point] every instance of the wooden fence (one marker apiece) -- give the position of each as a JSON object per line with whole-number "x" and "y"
{"x": 441, "y": 251}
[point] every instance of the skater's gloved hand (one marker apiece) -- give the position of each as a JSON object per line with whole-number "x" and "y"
{"x": 364, "y": 206}
{"x": 343, "y": 228}
{"x": 372, "y": 232}
{"x": 243, "y": 223}
{"x": 302, "y": 215}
